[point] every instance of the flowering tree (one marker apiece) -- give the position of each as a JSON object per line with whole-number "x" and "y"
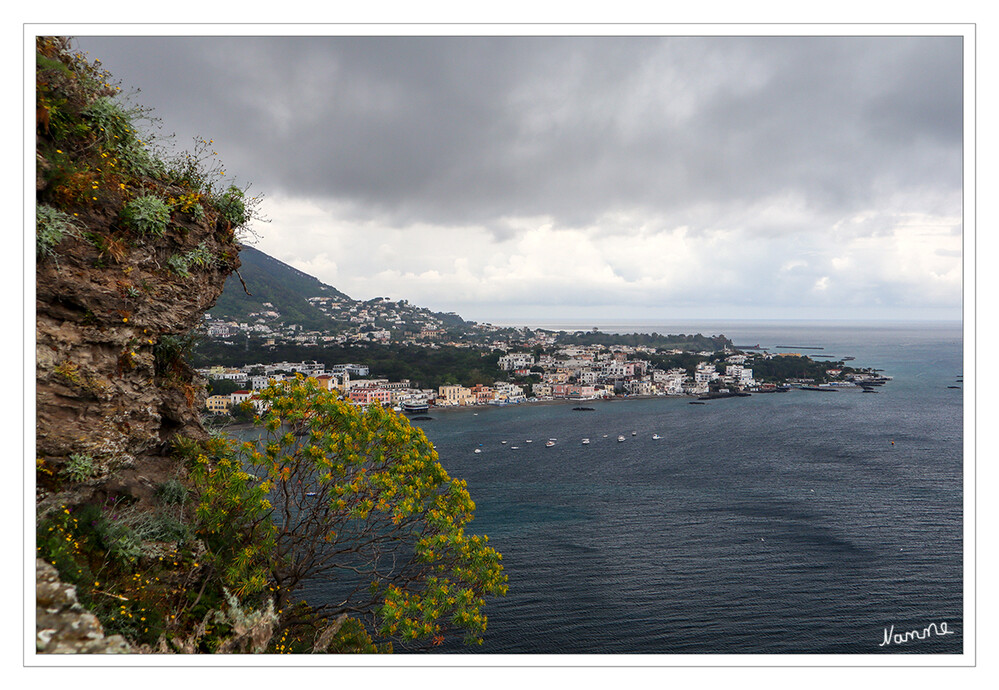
{"x": 355, "y": 499}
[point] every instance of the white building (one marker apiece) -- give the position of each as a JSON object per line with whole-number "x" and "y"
{"x": 705, "y": 372}
{"x": 352, "y": 369}
{"x": 508, "y": 391}
{"x": 740, "y": 375}
{"x": 258, "y": 382}
{"x": 516, "y": 360}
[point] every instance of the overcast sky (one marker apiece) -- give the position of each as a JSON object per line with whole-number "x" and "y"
{"x": 592, "y": 178}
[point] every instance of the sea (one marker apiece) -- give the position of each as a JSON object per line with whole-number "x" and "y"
{"x": 783, "y": 523}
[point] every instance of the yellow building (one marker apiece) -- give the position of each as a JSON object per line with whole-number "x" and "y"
{"x": 218, "y": 404}
{"x": 453, "y": 395}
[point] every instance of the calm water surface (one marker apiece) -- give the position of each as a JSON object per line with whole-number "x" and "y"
{"x": 779, "y": 523}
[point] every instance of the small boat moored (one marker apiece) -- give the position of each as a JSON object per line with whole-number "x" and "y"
{"x": 620, "y": 439}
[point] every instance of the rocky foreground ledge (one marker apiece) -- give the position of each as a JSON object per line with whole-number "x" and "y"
{"x": 62, "y": 625}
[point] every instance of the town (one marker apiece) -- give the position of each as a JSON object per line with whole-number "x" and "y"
{"x": 575, "y": 373}
{"x": 347, "y": 321}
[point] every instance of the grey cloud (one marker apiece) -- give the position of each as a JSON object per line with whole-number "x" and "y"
{"x": 469, "y": 130}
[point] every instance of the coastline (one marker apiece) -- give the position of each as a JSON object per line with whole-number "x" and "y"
{"x": 452, "y": 409}
{"x": 558, "y": 401}
{"x": 243, "y": 426}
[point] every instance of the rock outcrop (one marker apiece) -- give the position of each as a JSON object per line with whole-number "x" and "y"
{"x": 62, "y": 626}
{"x": 116, "y": 298}
{"x": 131, "y": 252}
{"x": 111, "y": 379}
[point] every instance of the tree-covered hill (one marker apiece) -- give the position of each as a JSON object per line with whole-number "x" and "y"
{"x": 274, "y": 286}
{"x": 271, "y": 281}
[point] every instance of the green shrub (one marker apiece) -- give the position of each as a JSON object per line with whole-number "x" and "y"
{"x": 59, "y": 543}
{"x": 181, "y": 263}
{"x": 159, "y": 527}
{"x": 190, "y": 204}
{"x": 52, "y": 226}
{"x": 148, "y": 215}
{"x": 171, "y": 492}
{"x": 178, "y": 264}
{"x": 171, "y": 352}
{"x": 232, "y": 206}
{"x": 120, "y": 541}
{"x": 366, "y": 491}
{"x": 115, "y": 129}
{"x": 79, "y": 467}
{"x": 110, "y": 122}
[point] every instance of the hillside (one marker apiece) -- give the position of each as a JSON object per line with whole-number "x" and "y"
{"x": 269, "y": 298}
{"x": 275, "y": 283}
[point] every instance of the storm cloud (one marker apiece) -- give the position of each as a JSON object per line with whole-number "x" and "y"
{"x": 499, "y": 176}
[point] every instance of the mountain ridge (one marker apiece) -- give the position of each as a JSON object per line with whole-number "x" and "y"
{"x": 270, "y": 295}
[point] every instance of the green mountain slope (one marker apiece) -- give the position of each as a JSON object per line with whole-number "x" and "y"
{"x": 271, "y": 281}
{"x": 274, "y": 286}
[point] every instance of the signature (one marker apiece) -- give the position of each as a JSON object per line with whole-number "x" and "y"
{"x": 892, "y": 637}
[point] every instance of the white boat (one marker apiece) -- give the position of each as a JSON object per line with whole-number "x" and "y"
{"x": 586, "y": 441}
{"x": 527, "y": 441}
{"x": 634, "y": 433}
{"x": 620, "y": 439}
{"x": 550, "y": 444}
{"x": 415, "y": 406}
{"x": 656, "y": 437}
{"x": 503, "y": 442}
{"x": 478, "y": 450}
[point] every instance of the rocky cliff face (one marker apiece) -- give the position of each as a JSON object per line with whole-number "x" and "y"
{"x": 111, "y": 380}
{"x": 132, "y": 249}
{"x": 131, "y": 253}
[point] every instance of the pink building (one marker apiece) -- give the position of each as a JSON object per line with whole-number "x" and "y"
{"x": 366, "y": 396}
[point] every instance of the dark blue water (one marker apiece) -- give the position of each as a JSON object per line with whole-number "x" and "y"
{"x": 779, "y": 523}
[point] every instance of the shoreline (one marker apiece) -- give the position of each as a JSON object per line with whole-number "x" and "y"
{"x": 451, "y": 409}
{"x": 557, "y": 401}
{"x": 243, "y": 426}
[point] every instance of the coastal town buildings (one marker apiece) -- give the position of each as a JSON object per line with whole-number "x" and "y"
{"x": 569, "y": 373}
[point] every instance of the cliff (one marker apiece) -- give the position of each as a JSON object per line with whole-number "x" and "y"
{"x": 132, "y": 247}
{"x": 131, "y": 251}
